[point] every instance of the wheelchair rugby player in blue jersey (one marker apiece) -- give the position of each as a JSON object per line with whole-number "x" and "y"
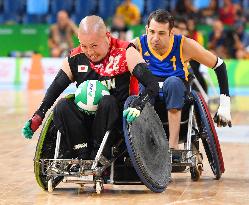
{"x": 184, "y": 113}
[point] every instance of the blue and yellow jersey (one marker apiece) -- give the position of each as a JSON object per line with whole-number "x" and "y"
{"x": 171, "y": 63}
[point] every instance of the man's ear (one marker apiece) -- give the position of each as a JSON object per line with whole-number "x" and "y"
{"x": 146, "y": 29}
{"x": 108, "y": 35}
{"x": 171, "y": 31}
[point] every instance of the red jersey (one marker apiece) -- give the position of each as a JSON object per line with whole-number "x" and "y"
{"x": 111, "y": 71}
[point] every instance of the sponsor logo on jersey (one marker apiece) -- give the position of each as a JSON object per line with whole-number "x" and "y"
{"x": 147, "y": 62}
{"x": 146, "y": 53}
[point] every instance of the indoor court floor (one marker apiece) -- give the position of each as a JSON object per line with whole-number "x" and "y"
{"x": 18, "y": 185}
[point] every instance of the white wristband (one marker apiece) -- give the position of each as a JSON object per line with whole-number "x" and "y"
{"x": 225, "y": 101}
{"x": 224, "y": 108}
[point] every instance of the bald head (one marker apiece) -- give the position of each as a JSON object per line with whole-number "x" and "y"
{"x": 93, "y": 37}
{"x": 92, "y": 24}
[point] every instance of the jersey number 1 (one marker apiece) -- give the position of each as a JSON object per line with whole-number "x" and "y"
{"x": 173, "y": 60}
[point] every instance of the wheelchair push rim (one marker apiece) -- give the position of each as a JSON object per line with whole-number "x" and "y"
{"x": 210, "y": 120}
{"x": 210, "y": 139}
{"x": 41, "y": 150}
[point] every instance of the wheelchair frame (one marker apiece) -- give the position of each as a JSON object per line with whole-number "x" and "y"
{"x": 200, "y": 126}
{"x": 50, "y": 171}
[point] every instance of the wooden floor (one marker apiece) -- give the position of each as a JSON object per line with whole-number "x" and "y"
{"x": 18, "y": 185}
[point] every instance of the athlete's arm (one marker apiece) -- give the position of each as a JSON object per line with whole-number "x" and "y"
{"x": 138, "y": 68}
{"x": 66, "y": 69}
{"x": 51, "y": 40}
{"x": 135, "y": 43}
{"x": 59, "y": 84}
{"x": 133, "y": 57}
{"x": 193, "y": 50}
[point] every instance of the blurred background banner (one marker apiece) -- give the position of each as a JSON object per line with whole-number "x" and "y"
{"x": 15, "y": 73}
{"x": 23, "y": 39}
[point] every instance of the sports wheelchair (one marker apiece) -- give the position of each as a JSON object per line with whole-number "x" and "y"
{"x": 196, "y": 125}
{"x": 139, "y": 153}
{"x": 117, "y": 168}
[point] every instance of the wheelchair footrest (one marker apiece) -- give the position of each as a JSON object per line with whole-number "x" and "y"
{"x": 67, "y": 167}
{"x": 89, "y": 179}
{"x": 183, "y": 158}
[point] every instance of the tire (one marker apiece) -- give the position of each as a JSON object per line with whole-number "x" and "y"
{"x": 208, "y": 135}
{"x": 45, "y": 150}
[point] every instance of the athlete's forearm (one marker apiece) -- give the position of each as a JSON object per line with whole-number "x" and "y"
{"x": 221, "y": 73}
{"x": 147, "y": 79}
{"x": 59, "y": 84}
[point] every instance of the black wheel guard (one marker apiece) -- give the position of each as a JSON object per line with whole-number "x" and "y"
{"x": 148, "y": 148}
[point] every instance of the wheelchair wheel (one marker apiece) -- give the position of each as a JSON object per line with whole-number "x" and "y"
{"x": 148, "y": 148}
{"x": 45, "y": 150}
{"x": 208, "y": 135}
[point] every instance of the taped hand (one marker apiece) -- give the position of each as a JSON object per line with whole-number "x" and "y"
{"x": 223, "y": 115}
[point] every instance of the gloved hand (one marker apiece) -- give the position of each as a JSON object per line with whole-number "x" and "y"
{"x": 31, "y": 126}
{"x": 223, "y": 115}
{"x": 136, "y": 107}
{"x": 131, "y": 114}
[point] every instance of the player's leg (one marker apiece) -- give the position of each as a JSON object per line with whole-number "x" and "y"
{"x": 108, "y": 117}
{"x": 174, "y": 118}
{"x": 174, "y": 95}
{"x": 75, "y": 127}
